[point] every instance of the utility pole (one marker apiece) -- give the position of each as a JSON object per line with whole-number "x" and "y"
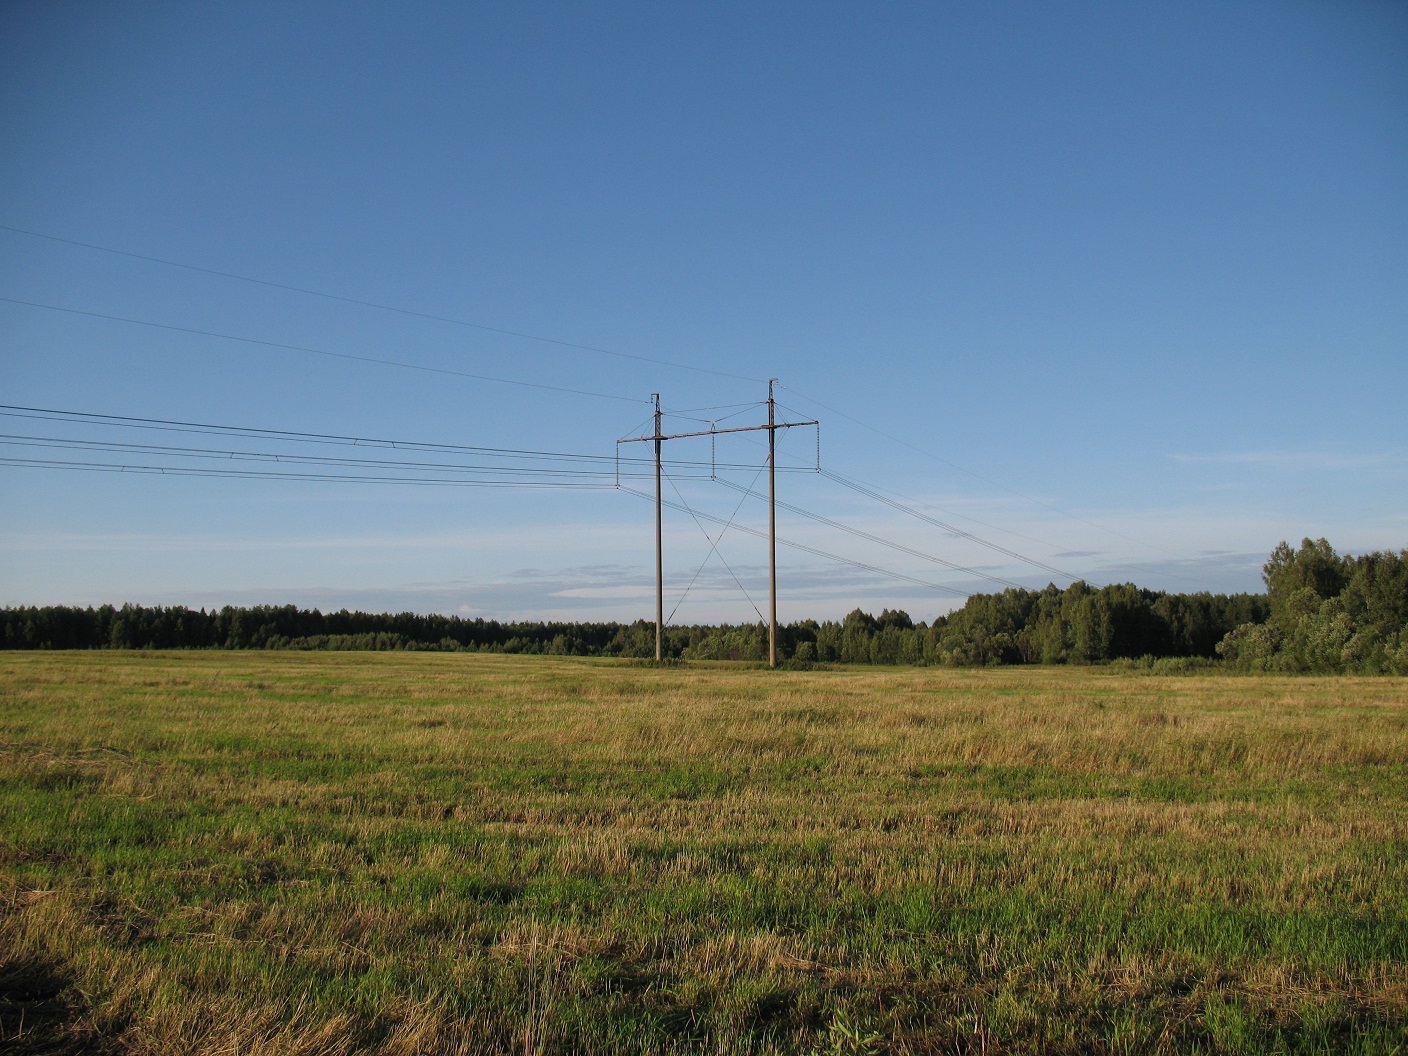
{"x": 772, "y": 531}
{"x": 659, "y": 546}
{"x": 659, "y": 438}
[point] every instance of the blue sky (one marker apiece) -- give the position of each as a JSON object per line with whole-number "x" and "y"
{"x": 1121, "y": 288}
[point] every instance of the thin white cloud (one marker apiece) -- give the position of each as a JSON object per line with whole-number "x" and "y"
{"x": 605, "y": 593}
{"x": 1225, "y": 573}
{"x": 1298, "y": 460}
{"x": 203, "y": 542}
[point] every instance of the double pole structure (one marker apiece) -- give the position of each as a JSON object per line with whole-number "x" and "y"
{"x": 772, "y": 427}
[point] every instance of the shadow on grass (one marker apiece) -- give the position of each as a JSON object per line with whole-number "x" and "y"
{"x": 41, "y": 1013}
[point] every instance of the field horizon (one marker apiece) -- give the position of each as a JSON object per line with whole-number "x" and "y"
{"x": 273, "y": 852}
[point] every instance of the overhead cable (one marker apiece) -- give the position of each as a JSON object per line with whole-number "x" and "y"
{"x": 863, "y": 490}
{"x": 183, "y": 471}
{"x": 330, "y": 439}
{"x": 714, "y": 548}
{"x": 323, "y": 352}
{"x": 810, "y": 549}
{"x": 283, "y": 457}
{"x": 976, "y": 476}
{"x": 829, "y": 522}
{"x": 380, "y": 307}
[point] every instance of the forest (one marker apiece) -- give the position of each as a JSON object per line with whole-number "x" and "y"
{"x": 1321, "y": 612}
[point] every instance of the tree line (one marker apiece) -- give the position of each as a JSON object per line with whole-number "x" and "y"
{"x": 1327, "y": 613}
{"x": 1321, "y": 612}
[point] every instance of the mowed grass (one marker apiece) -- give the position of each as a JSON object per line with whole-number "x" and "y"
{"x": 434, "y": 853}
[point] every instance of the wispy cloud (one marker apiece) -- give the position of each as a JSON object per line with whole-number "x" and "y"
{"x": 1298, "y": 460}
{"x": 1223, "y": 573}
{"x": 605, "y": 592}
{"x": 478, "y": 540}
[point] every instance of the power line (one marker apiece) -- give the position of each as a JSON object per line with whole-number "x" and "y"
{"x": 861, "y": 489}
{"x": 811, "y": 549}
{"x": 977, "y": 476}
{"x": 329, "y": 439}
{"x": 876, "y": 539}
{"x": 719, "y": 407}
{"x": 373, "y": 304}
{"x": 930, "y": 506}
{"x": 183, "y": 471}
{"x": 321, "y": 352}
{"x": 110, "y": 447}
{"x": 714, "y": 548}
{"x": 420, "y": 468}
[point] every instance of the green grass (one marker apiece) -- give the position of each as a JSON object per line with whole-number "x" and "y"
{"x": 427, "y": 853}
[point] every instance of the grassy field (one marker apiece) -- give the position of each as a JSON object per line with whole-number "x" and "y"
{"x": 430, "y": 853}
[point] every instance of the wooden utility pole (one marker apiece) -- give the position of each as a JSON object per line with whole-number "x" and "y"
{"x": 772, "y": 531}
{"x": 659, "y": 438}
{"x": 659, "y": 546}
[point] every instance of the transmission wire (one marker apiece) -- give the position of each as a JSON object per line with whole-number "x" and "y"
{"x": 714, "y": 546}
{"x": 380, "y": 307}
{"x": 323, "y": 352}
{"x": 876, "y": 539}
{"x": 861, "y": 489}
{"x": 182, "y": 471}
{"x": 103, "y": 446}
{"x": 977, "y": 476}
{"x": 809, "y": 549}
{"x": 328, "y": 439}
